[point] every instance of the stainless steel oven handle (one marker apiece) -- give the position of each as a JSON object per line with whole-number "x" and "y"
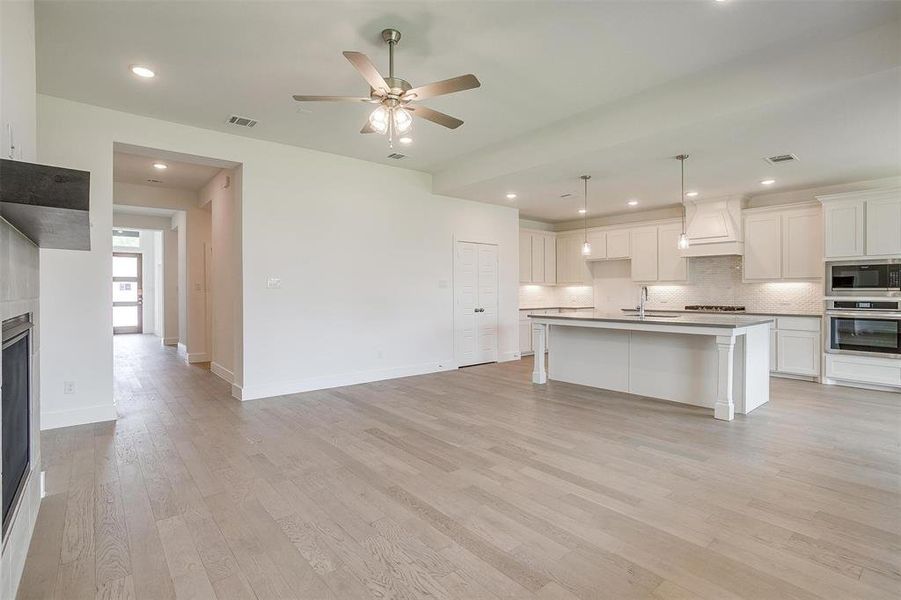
{"x": 863, "y": 314}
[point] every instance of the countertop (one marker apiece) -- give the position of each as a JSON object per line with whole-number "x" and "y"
{"x": 556, "y": 308}
{"x": 728, "y": 321}
{"x": 718, "y": 312}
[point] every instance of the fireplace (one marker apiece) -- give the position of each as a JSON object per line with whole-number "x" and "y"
{"x": 16, "y": 412}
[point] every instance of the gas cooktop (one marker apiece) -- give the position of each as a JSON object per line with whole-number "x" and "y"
{"x": 715, "y": 307}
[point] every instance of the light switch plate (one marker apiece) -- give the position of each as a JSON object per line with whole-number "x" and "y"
{"x": 273, "y": 283}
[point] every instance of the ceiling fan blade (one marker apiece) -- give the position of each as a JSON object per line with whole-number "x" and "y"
{"x": 331, "y": 99}
{"x": 367, "y": 128}
{"x": 365, "y": 67}
{"x": 440, "y": 88}
{"x": 435, "y": 117}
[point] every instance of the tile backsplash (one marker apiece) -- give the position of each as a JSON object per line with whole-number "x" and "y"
{"x": 543, "y": 296}
{"x": 712, "y": 280}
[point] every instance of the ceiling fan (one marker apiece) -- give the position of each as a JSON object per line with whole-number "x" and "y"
{"x": 396, "y": 97}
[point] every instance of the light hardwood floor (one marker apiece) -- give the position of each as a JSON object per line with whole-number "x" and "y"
{"x": 471, "y": 484}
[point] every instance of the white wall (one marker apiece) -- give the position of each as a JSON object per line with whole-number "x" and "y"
{"x": 362, "y": 250}
{"x": 19, "y": 258}
{"x": 219, "y": 196}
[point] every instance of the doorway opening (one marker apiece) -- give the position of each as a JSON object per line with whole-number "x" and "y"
{"x": 176, "y": 269}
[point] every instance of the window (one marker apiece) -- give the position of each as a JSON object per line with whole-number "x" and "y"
{"x": 124, "y": 238}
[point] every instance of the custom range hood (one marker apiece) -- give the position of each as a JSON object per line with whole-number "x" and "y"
{"x": 714, "y": 227}
{"x": 50, "y": 205}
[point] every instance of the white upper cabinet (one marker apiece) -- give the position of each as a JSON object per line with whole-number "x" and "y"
{"x": 783, "y": 243}
{"x": 619, "y": 243}
{"x": 598, "y": 241}
{"x": 763, "y": 246}
{"x": 802, "y": 244}
{"x": 525, "y": 257}
{"x": 537, "y": 257}
{"x": 671, "y": 265}
{"x": 844, "y": 229}
{"x": 571, "y": 265}
{"x": 644, "y": 254}
{"x": 883, "y": 217}
{"x": 861, "y": 224}
{"x": 550, "y": 259}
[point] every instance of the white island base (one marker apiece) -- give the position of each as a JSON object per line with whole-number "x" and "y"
{"x": 720, "y": 365}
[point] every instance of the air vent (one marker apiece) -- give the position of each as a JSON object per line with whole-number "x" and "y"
{"x": 154, "y": 181}
{"x": 781, "y": 158}
{"x": 565, "y": 195}
{"x": 241, "y": 121}
{"x": 397, "y": 156}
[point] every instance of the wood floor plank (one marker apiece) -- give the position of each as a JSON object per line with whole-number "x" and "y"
{"x": 472, "y": 484}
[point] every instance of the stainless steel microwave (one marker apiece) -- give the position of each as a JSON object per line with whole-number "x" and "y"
{"x": 865, "y": 277}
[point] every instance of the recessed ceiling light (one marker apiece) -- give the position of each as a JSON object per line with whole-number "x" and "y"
{"x": 632, "y": 202}
{"x": 582, "y": 211}
{"x": 511, "y": 196}
{"x": 768, "y": 182}
{"x": 142, "y": 71}
{"x": 160, "y": 166}
{"x": 406, "y": 140}
{"x": 691, "y": 194}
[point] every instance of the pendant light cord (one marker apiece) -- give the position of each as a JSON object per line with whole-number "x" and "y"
{"x": 585, "y": 178}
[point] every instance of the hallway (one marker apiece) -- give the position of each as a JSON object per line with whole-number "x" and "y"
{"x": 464, "y": 484}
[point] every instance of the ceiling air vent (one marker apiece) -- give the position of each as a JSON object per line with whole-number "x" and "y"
{"x": 565, "y": 195}
{"x": 397, "y": 156}
{"x": 241, "y": 121}
{"x": 154, "y": 181}
{"x": 781, "y": 158}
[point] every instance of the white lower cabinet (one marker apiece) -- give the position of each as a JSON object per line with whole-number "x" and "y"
{"x": 795, "y": 346}
{"x": 872, "y": 370}
{"x": 525, "y": 336}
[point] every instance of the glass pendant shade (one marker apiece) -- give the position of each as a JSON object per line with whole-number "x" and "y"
{"x": 586, "y": 249}
{"x": 403, "y": 120}
{"x": 379, "y": 119}
{"x": 683, "y": 242}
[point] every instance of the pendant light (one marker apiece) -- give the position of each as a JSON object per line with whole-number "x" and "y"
{"x": 586, "y": 247}
{"x": 683, "y": 237}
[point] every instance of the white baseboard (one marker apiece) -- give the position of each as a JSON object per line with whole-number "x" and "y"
{"x": 507, "y": 356}
{"x": 173, "y": 341}
{"x": 78, "y": 416}
{"x": 268, "y": 390}
{"x": 182, "y": 349}
{"x": 222, "y": 372}
{"x": 197, "y": 357}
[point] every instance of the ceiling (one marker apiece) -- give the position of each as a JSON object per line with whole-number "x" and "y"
{"x": 135, "y": 168}
{"x": 608, "y": 88}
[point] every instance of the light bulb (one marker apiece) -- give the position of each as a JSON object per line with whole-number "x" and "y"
{"x": 379, "y": 119}
{"x": 403, "y": 120}
{"x": 406, "y": 140}
{"x": 586, "y": 249}
{"x": 683, "y": 242}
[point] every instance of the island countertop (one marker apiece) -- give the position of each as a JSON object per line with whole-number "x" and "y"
{"x": 728, "y": 321}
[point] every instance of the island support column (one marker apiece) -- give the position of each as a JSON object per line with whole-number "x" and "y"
{"x": 539, "y": 372}
{"x": 724, "y": 409}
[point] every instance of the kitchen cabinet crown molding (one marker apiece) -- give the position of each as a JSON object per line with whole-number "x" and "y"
{"x": 887, "y": 192}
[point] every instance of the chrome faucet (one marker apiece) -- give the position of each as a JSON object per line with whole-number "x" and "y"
{"x": 642, "y": 298}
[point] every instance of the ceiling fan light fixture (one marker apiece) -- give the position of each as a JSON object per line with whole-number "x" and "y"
{"x": 403, "y": 120}
{"x": 379, "y": 119}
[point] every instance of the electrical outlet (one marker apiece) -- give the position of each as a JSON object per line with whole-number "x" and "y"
{"x": 68, "y": 387}
{"x": 273, "y": 283}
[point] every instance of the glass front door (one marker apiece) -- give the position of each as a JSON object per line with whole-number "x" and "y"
{"x": 128, "y": 314}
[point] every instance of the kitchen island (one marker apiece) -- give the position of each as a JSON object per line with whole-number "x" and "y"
{"x": 711, "y": 360}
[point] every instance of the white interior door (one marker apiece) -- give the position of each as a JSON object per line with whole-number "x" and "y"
{"x": 475, "y": 303}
